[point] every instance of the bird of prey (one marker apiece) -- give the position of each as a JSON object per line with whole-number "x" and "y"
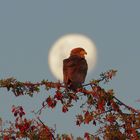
{"x": 75, "y": 69}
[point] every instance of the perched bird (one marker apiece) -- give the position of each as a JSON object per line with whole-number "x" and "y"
{"x": 75, "y": 69}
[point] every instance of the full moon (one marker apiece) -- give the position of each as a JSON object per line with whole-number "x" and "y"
{"x": 61, "y": 49}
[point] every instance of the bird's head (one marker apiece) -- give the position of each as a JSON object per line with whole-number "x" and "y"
{"x": 78, "y": 52}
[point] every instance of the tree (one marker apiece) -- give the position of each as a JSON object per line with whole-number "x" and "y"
{"x": 114, "y": 119}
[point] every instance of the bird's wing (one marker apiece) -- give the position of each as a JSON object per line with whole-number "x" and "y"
{"x": 74, "y": 69}
{"x": 68, "y": 69}
{"x": 81, "y": 71}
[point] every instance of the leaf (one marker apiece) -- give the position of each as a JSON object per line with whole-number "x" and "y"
{"x": 88, "y": 117}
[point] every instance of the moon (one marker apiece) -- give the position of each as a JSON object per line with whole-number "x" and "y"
{"x": 61, "y": 50}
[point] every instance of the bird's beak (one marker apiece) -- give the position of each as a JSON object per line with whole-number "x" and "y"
{"x": 84, "y": 52}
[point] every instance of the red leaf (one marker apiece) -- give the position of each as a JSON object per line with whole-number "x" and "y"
{"x": 58, "y": 95}
{"x": 51, "y": 102}
{"x": 6, "y": 138}
{"x": 87, "y": 136}
{"x": 64, "y": 108}
{"x": 88, "y": 117}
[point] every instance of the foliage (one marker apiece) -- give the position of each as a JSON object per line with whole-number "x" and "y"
{"x": 114, "y": 119}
